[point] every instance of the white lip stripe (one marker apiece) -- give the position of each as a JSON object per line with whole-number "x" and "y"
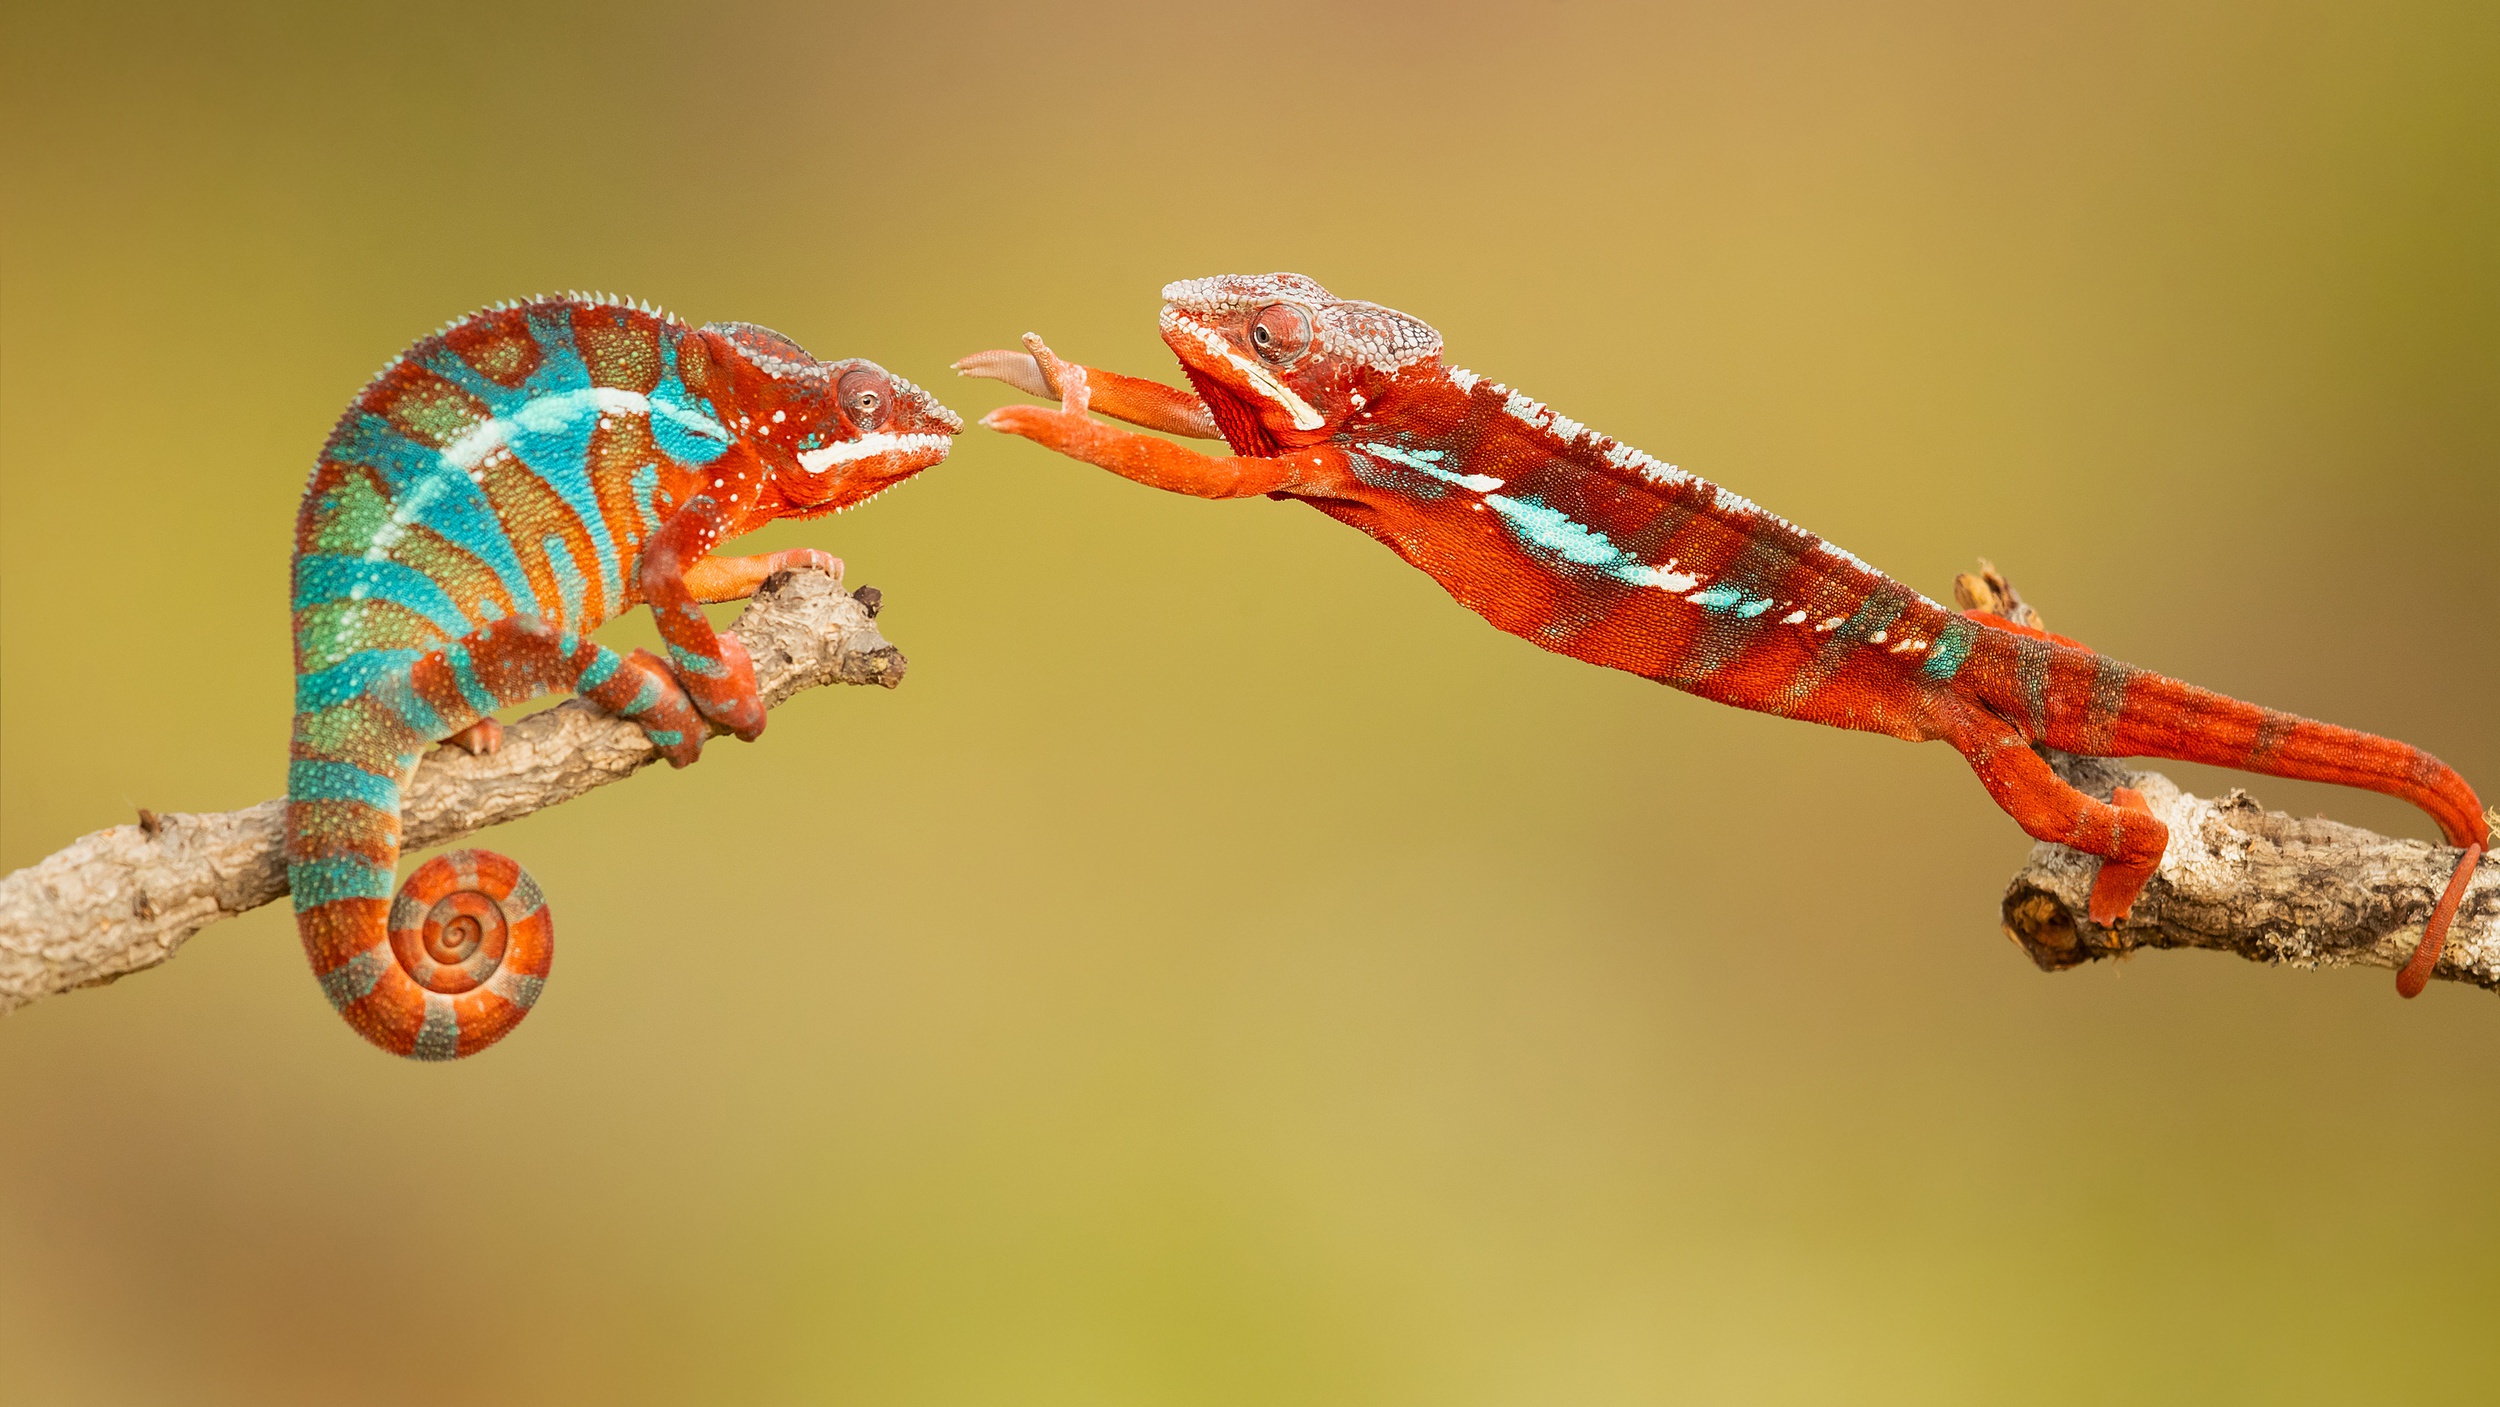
{"x": 817, "y": 461}
{"x": 1261, "y": 380}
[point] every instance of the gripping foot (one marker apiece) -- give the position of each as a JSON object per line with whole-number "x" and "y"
{"x": 2122, "y": 878}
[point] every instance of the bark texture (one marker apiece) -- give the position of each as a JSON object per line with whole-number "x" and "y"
{"x": 127, "y": 898}
{"x": 2238, "y": 878}
{"x": 2272, "y": 888}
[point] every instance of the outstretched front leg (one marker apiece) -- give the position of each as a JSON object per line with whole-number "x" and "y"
{"x": 1036, "y": 371}
{"x": 1160, "y": 463}
{"x": 737, "y": 578}
{"x": 1155, "y": 463}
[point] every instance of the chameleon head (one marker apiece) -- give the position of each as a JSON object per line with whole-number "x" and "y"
{"x": 835, "y": 434}
{"x": 1278, "y": 359}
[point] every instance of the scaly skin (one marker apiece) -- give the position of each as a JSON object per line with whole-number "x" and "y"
{"x": 1590, "y": 548}
{"x": 496, "y": 493}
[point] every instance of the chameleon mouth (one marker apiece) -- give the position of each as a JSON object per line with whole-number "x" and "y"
{"x": 1261, "y": 381}
{"x": 841, "y": 452}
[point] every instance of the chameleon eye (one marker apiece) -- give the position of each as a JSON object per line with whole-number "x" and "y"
{"x": 1281, "y": 333}
{"x": 865, "y": 397}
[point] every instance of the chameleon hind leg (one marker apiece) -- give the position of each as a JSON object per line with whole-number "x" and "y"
{"x": 521, "y": 657}
{"x": 2126, "y": 835}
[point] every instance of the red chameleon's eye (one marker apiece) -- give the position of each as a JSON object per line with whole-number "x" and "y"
{"x": 865, "y": 397}
{"x": 1281, "y": 333}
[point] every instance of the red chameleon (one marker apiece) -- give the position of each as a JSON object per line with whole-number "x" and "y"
{"x": 1588, "y": 547}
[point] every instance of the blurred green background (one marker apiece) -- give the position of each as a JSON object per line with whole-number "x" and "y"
{"x": 1227, "y": 972}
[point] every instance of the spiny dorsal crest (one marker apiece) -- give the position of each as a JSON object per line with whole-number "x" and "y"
{"x": 1383, "y": 339}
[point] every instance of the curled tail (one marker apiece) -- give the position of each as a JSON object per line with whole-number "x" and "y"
{"x": 444, "y": 969}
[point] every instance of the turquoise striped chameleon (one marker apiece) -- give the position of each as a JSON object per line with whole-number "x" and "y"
{"x": 492, "y": 496}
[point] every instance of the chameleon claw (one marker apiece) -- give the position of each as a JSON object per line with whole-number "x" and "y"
{"x": 1066, "y": 380}
{"x": 2123, "y": 877}
{"x": 479, "y": 739}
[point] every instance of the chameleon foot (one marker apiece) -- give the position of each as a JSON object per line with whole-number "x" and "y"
{"x": 479, "y": 739}
{"x": 727, "y": 696}
{"x": 2122, "y": 878}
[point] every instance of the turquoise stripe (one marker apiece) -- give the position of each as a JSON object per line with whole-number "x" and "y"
{"x": 702, "y": 665}
{"x": 1952, "y": 647}
{"x": 398, "y": 693}
{"x": 570, "y": 586}
{"x": 464, "y": 673}
{"x": 427, "y": 491}
{"x": 1549, "y": 532}
{"x": 646, "y": 485}
{"x": 553, "y": 440}
{"x": 324, "y": 577}
{"x": 684, "y": 428}
{"x": 310, "y": 780}
{"x": 644, "y": 699}
{"x": 328, "y": 688}
{"x": 335, "y": 877}
{"x": 601, "y": 668}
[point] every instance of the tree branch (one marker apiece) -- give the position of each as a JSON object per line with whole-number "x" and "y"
{"x": 127, "y": 898}
{"x": 2238, "y": 878}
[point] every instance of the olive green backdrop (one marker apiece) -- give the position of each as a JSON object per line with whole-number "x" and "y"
{"x": 1227, "y": 972}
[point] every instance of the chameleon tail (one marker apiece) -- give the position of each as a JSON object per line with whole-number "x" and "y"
{"x": 2163, "y": 717}
{"x": 452, "y": 964}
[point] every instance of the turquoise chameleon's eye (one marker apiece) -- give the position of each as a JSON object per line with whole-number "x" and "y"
{"x": 866, "y": 398}
{"x": 1280, "y": 333}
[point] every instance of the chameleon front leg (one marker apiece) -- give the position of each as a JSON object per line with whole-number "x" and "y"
{"x": 714, "y": 668}
{"x": 1037, "y": 371}
{"x": 1160, "y": 463}
{"x": 736, "y": 578}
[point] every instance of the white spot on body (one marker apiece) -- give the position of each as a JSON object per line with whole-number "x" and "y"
{"x": 1418, "y": 460}
{"x": 1665, "y": 578}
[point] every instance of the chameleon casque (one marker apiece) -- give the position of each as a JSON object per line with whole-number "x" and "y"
{"x": 501, "y": 489}
{"x": 1590, "y": 548}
